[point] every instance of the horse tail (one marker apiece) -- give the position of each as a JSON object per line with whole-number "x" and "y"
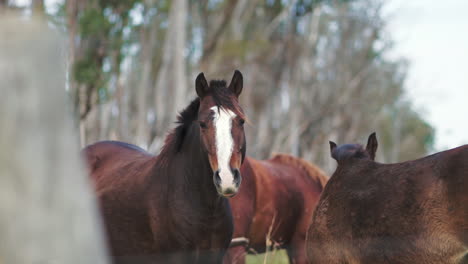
{"x": 314, "y": 172}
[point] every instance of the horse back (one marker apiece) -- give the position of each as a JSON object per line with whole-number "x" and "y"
{"x": 114, "y": 164}
{"x": 454, "y": 172}
{"x": 448, "y": 174}
{"x": 311, "y": 174}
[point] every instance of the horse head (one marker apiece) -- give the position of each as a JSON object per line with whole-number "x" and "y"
{"x": 221, "y": 121}
{"x": 348, "y": 151}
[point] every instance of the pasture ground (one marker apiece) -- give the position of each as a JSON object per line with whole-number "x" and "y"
{"x": 270, "y": 257}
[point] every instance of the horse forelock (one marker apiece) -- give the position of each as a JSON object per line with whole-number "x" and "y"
{"x": 218, "y": 84}
{"x": 224, "y": 98}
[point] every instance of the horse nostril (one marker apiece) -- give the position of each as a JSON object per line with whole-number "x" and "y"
{"x": 237, "y": 176}
{"x": 217, "y": 178}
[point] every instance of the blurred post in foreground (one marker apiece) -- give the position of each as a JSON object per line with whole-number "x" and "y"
{"x": 47, "y": 211}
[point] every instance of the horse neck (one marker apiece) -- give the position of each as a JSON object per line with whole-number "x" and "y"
{"x": 190, "y": 170}
{"x": 248, "y": 172}
{"x": 354, "y": 168}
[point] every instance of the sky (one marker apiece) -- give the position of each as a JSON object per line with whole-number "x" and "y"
{"x": 433, "y": 37}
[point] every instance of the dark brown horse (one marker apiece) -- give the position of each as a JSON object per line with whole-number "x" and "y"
{"x": 172, "y": 208}
{"x": 276, "y": 202}
{"x": 412, "y": 212}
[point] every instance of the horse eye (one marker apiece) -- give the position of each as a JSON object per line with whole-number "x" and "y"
{"x": 241, "y": 122}
{"x": 202, "y": 124}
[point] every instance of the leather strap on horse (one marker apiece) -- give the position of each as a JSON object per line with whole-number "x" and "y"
{"x": 239, "y": 241}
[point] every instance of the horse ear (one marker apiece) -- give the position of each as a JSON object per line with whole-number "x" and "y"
{"x": 237, "y": 83}
{"x": 201, "y": 85}
{"x": 372, "y": 144}
{"x": 332, "y": 148}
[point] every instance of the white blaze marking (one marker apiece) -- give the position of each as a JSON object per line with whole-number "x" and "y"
{"x": 224, "y": 144}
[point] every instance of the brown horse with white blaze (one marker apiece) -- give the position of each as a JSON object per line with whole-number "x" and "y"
{"x": 173, "y": 208}
{"x": 413, "y": 212}
{"x": 275, "y": 203}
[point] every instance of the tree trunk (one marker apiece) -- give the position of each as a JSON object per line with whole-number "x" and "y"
{"x": 178, "y": 72}
{"x": 171, "y": 82}
{"x": 47, "y": 211}
{"x": 72, "y": 10}
{"x": 148, "y": 42}
{"x": 38, "y": 7}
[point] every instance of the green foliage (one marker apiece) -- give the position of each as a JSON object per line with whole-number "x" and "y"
{"x": 86, "y": 71}
{"x": 93, "y": 23}
{"x": 418, "y": 127}
{"x": 101, "y": 26}
{"x": 306, "y": 6}
{"x": 118, "y": 4}
{"x": 404, "y": 134}
{"x": 163, "y": 6}
{"x": 240, "y": 48}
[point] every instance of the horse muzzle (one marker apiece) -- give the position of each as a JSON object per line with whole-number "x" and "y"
{"x": 227, "y": 186}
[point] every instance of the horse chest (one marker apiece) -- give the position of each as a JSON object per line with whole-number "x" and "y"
{"x": 187, "y": 226}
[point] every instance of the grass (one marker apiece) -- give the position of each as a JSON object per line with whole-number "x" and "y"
{"x": 270, "y": 257}
{"x": 273, "y": 255}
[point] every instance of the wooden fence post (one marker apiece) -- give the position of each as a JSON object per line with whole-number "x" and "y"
{"x": 47, "y": 211}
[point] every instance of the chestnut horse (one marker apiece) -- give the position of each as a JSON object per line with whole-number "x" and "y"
{"x": 412, "y": 212}
{"x": 172, "y": 208}
{"x": 276, "y": 202}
